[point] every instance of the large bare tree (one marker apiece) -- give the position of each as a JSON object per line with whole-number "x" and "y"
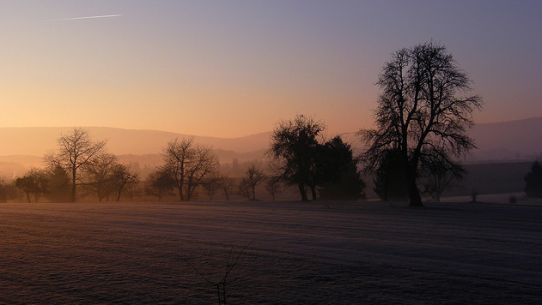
{"x": 189, "y": 165}
{"x": 75, "y": 150}
{"x": 423, "y": 111}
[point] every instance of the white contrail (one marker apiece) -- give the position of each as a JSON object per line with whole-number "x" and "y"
{"x": 80, "y": 18}
{"x": 66, "y": 19}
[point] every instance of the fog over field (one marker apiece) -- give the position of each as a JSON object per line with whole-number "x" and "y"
{"x": 312, "y": 253}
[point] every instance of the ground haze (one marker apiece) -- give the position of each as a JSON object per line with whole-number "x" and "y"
{"x": 311, "y": 253}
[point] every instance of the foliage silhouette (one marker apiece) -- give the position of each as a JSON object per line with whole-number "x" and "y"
{"x": 339, "y": 173}
{"x": 253, "y": 177}
{"x": 75, "y": 150}
{"x": 420, "y": 113}
{"x": 189, "y": 165}
{"x": 35, "y": 183}
{"x": 533, "y": 181}
{"x": 294, "y": 146}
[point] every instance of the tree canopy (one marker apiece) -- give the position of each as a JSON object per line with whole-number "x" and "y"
{"x": 423, "y": 111}
{"x": 533, "y": 181}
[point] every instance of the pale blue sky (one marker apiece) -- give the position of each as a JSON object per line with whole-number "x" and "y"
{"x": 233, "y": 68}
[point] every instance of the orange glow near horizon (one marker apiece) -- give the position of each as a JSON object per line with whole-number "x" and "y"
{"x": 231, "y": 70}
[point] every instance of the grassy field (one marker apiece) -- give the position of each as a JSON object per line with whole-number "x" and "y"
{"x": 302, "y": 253}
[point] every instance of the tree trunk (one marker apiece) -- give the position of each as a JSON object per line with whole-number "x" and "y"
{"x": 313, "y": 191}
{"x": 301, "y": 188}
{"x": 74, "y": 184}
{"x": 414, "y": 194}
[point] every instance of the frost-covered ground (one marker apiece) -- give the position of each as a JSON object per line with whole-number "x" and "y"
{"x": 314, "y": 253}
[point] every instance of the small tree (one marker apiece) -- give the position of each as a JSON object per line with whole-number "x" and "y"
{"x": 33, "y": 183}
{"x": 58, "y": 188}
{"x": 244, "y": 188}
{"x": 274, "y": 186}
{"x": 339, "y": 175}
{"x": 8, "y": 191}
{"x": 227, "y": 186}
{"x": 75, "y": 150}
{"x": 294, "y": 146}
{"x": 533, "y": 181}
{"x": 98, "y": 175}
{"x": 254, "y": 177}
{"x": 439, "y": 174}
{"x": 212, "y": 184}
{"x": 123, "y": 178}
{"x": 189, "y": 165}
{"x": 159, "y": 184}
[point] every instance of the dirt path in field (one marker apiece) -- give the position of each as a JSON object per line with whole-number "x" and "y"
{"x": 137, "y": 253}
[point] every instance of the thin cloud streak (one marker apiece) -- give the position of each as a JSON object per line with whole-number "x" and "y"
{"x": 67, "y": 19}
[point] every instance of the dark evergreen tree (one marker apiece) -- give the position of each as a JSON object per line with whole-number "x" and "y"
{"x": 390, "y": 182}
{"x": 338, "y": 172}
{"x": 533, "y": 181}
{"x": 59, "y": 186}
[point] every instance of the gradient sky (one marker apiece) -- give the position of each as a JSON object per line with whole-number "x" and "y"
{"x": 234, "y": 68}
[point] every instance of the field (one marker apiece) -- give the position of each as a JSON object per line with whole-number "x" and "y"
{"x": 298, "y": 253}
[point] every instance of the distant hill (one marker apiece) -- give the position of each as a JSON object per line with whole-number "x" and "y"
{"x": 508, "y": 141}
{"x": 40, "y": 140}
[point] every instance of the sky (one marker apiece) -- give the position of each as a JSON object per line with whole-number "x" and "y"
{"x": 235, "y": 68}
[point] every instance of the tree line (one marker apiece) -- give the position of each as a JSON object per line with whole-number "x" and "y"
{"x": 423, "y": 113}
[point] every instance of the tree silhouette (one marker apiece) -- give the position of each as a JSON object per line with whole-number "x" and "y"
{"x": 98, "y": 175}
{"x": 339, "y": 175}
{"x": 533, "y": 181}
{"x": 35, "y": 183}
{"x": 75, "y": 150}
{"x": 389, "y": 178}
{"x": 420, "y": 112}
{"x": 189, "y": 165}
{"x": 273, "y": 185}
{"x": 58, "y": 188}
{"x": 294, "y": 146}
{"x": 122, "y": 177}
{"x": 438, "y": 174}
{"x": 159, "y": 184}
{"x": 253, "y": 177}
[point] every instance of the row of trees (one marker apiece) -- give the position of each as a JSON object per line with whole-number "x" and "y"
{"x": 298, "y": 158}
{"x": 302, "y": 158}
{"x": 78, "y": 162}
{"x": 423, "y": 113}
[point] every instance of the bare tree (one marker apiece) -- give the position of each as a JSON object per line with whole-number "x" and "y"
{"x": 122, "y": 177}
{"x": 189, "y": 164}
{"x": 212, "y": 184}
{"x": 75, "y": 150}
{"x": 243, "y": 188}
{"x": 438, "y": 175}
{"x": 420, "y": 113}
{"x": 254, "y": 177}
{"x": 159, "y": 184}
{"x": 274, "y": 186}
{"x": 226, "y": 185}
{"x": 98, "y": 175}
